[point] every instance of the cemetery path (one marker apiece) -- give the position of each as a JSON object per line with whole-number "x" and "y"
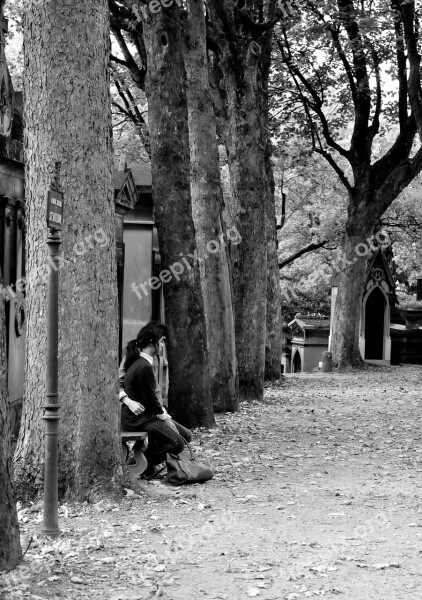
{"x": 317, "y": 493}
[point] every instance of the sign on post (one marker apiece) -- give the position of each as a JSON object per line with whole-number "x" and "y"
{"x": 54, "y": 209}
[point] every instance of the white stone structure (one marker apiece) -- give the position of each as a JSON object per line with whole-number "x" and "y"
{"x": 375, "y": 316}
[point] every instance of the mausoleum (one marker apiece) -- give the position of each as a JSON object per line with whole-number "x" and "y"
{"x": 309, "y": 341}
{"x": 378, "y": 298}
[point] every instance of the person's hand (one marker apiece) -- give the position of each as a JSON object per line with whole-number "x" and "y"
{"x": 164, "y": 416}
{"x": 135, "y": 407}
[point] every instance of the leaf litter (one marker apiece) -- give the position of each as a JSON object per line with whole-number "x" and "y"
{"x": 269, "y": 524}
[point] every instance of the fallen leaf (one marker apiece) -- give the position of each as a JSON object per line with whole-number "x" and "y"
{"x": 126, "y": 595}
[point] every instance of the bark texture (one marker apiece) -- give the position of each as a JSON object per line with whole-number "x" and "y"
{"x": 347, "y": 312}
{"x": 247, "y": 176}
{"x": 245, "y": 142}
{"x": 273, "y": 334}
{"x": 68, "y": 119}
{"x": 240, "y": 67}
{"x": 212, "y": 234}
{"x": 10, "y": 546}
{"x": 189, "y": 391}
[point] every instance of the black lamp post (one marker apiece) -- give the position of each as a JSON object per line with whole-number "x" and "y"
{"x": 51, "y": 406}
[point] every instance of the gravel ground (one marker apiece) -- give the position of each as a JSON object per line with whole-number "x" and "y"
{"x": 317, "y": 492}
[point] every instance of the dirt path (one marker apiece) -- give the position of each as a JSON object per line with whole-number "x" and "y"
{"x": 317, "y": 493}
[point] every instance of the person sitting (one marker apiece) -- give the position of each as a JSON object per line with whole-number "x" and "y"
{"x": 140, "y": 385}
{"x": 134, "y": 406}
{"x": 163, "y": 338}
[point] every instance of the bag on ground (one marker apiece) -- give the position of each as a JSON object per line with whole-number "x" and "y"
{"x": 183, "y": 468}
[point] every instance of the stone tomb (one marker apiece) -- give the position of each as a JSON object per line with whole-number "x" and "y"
{"x": 375, "y": 316}
{"x": 309, "y": 341}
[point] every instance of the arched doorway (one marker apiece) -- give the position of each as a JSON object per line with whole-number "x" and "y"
{"x": 297, "y": 363}
{"x": 375, "y": 308}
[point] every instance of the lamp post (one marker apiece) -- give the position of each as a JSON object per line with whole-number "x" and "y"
{"x": 51, "y": 406}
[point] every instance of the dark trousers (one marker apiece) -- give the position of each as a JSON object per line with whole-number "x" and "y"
{"x": 162, "y": 439}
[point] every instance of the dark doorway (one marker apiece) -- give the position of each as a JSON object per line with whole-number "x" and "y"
{"x": 374, "y": 325}
{"x": 297, "y": 363}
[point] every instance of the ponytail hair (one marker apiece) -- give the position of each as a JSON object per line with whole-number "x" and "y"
{"x": 132, "y": 354}
{"x": 147, "y": 335}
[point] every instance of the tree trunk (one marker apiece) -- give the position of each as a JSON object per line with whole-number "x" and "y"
{"x": 348, "y": 306}
{"x": 246, "y": 145}
{"x": 189, "y": 390}
{"x": 240, "y": 68}
{"x": 10, "y": 546}
{"x": 212, "y": 236}
{"x": 273, "y": 335}
{"x": 68, "y": 120}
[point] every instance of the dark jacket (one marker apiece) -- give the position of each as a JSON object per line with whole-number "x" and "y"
{"x": 139, "y": 384}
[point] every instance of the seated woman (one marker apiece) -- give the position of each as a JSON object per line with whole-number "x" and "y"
{"x": 132, "y": 348}
{"x": 163, "y": 332}
{"x": 140, "y": 385}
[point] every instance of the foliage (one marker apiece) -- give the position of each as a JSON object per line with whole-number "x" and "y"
{"x": 313, "y": 209}
{"x": 129, "y": 108}
{"x": 316, "y": 210}
{"x": 341, "y": 67}
{"x": 14, "y": 43}
{"x": 411, "y": 304}
{"x": 126, "y": 142}
{"x": 312, "y": 216}
{"x": 359, "y": 63}
{"x": 311, "y": 219}
{"x": 403, "y": 221}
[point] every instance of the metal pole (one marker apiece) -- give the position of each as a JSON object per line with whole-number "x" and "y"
{"x": 51, "y": 406}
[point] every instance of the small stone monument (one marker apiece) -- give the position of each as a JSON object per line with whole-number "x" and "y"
{"x": 375, "y": 316}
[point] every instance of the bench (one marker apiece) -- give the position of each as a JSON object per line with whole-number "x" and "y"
{"x": 141, "y": 443}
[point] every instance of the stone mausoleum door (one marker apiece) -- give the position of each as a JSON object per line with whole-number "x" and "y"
{"x": 374, "y": 336}
{"x": 375, "y": 333}
{"x": 297, "y": 363}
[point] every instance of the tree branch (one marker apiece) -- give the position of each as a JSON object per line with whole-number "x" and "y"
{"x": 346, "y": 64}
{"x": 401, "y": 63}
{"x": 118, "y": 60}
{"x": 398, "y": 180}
{"x": 138, "y": 40}
{"x": 414, "y": 83}
{"x": 360, "y": 149}
{"x": 309, "y": 248}
{"x": 340, "y": 173}
{"x": 133, "y": 113}
{"x": 317, "y": 102}
{"x": 396, "y": 155}
{"x": 125, "y": 120}
{"x": 121, "y": 109}
{"x": 257, "y": 29}
{"x": 138, "y": 74}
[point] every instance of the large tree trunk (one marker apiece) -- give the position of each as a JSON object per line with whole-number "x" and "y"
{"x": 189, "y": 391}
{"x": 245, "y": 143}
{"x": 68, "y": 119}
{"x": 273, "y": 336}
{"x": 239, "y": 83}
{"x": 348, "y": 306}
{"x": 212, "y": 235}
{"x": 10, "y": 546}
